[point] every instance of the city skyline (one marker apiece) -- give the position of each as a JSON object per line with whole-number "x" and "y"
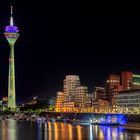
{"x": 54, "y": 45}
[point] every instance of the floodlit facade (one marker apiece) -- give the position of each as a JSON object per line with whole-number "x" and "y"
{"x": 128, "y": 101}
{"x": 101, "y": 105}
{"x": 113, "y": 87}
{"x": 80, "y": 96}
{"x": 70, "y": 83}
{"x": 99, "y": 93}
{"x": 113, "y": 83}
{"x": 75, "y": 98}
{"x": 136, "y": 81}
{"x": 126, "y": 80}
{"x": 69, "y": 106}
{"x": 11, "y": 34}
{"x": 88, "y": 102}
{"x": 60, "y": 98}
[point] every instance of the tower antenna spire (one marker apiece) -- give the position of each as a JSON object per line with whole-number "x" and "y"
{"x": 11, "y": 10}
{"x": 11, "y": 18}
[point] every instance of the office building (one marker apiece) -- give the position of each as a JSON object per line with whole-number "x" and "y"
{"x": 128, "y": 101}
{"x": 126, "y": 80}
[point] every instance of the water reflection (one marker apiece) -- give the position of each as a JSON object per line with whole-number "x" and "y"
{"x": 79, "y": 132}
{"x": 91, "y": 132}
{"x": 8, "y": 130}
{"x": 70, "y": 132}
{"x": 45, "y": 136}
{"x": 15, "y": 130}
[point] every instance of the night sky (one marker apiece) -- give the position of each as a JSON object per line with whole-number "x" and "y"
{"x": 57, "y": 40}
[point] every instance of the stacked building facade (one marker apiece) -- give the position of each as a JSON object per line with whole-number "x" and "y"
{"x": 119, "y": 90}
{"x": 120, "y": 84}
{"x": 74, "y": 96}
{"x": 128, "y": 101}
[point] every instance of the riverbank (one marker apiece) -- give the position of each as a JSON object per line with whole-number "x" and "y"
{"x": 133, "y": 122}
{"x": 132, "y": 126}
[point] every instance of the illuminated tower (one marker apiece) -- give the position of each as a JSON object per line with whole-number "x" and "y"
{"x": 11, "y": 34}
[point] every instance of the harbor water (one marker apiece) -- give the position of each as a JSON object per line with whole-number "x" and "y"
{"x": 23, "y": 130}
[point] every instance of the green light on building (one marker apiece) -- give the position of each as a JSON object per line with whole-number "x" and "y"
{"x": 136, "y": 79}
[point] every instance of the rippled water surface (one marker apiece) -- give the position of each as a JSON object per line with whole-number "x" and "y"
{"x": 21, "y": 130}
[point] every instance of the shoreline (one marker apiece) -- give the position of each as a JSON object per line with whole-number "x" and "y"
{"x": 128, "y": 126}
{"x": 131, "y": 126}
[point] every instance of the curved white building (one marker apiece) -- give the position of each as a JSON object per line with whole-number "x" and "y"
{"x": 70, "y": 83}
{"x": 81, "y": 93}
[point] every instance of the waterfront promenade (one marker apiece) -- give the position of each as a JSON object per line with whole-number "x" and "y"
{"x": 93, "y": 118}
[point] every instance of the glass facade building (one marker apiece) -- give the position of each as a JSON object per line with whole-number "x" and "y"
{"x": 128, "y": 101}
